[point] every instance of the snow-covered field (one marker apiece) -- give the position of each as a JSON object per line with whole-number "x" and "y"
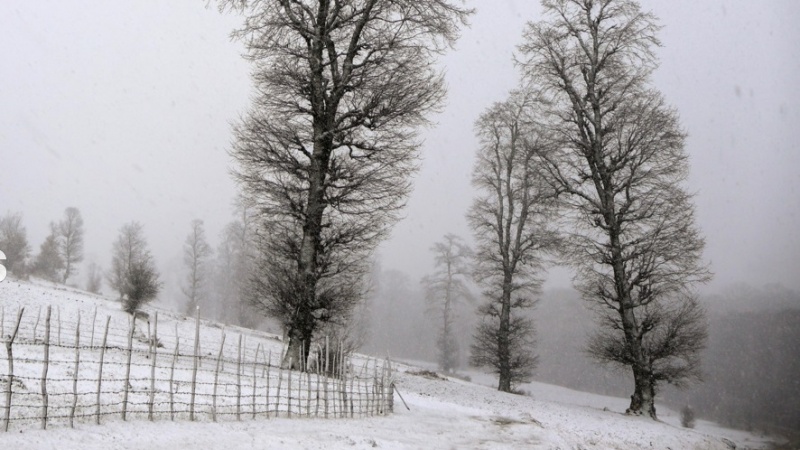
{"x": 444, "y": 413}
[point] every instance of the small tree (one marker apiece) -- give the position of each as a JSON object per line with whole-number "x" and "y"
{"x": 511, "y": 222}
{"x": 133, "y": 273}
{"x": 196, "y": 252}
{"x": 444, "y": 289}
{"x": 142, "y": 284}
{"x": 48, "y": 262}
{"x": 70, "y": 239}
{"x": 14, "y": 243}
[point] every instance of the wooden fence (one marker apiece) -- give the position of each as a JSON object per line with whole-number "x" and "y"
{"x": 59, "y": 371}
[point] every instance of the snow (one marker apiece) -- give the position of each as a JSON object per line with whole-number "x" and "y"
{"x": 444, "y": 413}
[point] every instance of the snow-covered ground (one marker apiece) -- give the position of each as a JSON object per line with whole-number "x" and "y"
{"x": 445, "y": 413}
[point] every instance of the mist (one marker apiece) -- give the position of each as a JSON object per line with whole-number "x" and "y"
{"x": 124, "y": 109}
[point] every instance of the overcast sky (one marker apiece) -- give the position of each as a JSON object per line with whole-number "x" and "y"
{"x": 124, "y": 109}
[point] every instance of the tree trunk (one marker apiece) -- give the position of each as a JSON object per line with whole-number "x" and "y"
{"x": 296, "y": 356}
{"x": 503, "y": 350}
{"x": 643, "y": 398}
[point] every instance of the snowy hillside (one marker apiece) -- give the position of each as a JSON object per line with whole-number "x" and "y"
{"x": 444, "y": 413}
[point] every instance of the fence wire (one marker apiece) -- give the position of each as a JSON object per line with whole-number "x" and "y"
{"x": 58, "y": 372}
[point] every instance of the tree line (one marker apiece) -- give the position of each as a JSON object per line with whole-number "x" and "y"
{"x": 583, "y": 164}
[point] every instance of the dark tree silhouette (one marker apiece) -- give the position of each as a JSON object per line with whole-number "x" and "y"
{"x": 326, "y": 151}
{"x": 511, "y": 222}
{"x": 619, "y": 162}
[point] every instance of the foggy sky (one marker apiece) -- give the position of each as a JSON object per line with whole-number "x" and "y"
{"x": 124, "y": 110}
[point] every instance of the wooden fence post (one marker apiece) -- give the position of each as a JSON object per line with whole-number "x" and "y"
{"x": 327, "y": 373}
{"x": 239, "y": 381}
{"x": 352, "y": 389}
{"x": 194, "y": 368}
{"x": 390, "y": 387}
{"x": 100, "y": 371}
{"x": 308, "y": 393}
{"x": 172, "y": 375}
{"x": 269, "y": 359}
{"x": 36, "y": 324}
{"x": 278, "y": 394}
{"x": 216, "y": 378}
{"x": 75, "y": 372}
{"x": 9, "y": 386}
{"x": 255, "y": 380}
{"x": 154, "y": 343}
{"x": 289, "y": 390}
{"x": 45, "y": 366}
{"x": 128, "y": 368}
{"x": 58, "y": 313}
{"x": 94, "y": 317}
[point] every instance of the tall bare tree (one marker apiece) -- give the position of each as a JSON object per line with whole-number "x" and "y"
{"x": 70, "y": 237}
{"x": 510, "y": 218}
{"x": 326, "y": 152}
{"x": 620, "y": 163}
{"x": 196, "y": 252}
{"x": 14, "y": 243}
{"x": 444, "y": 289}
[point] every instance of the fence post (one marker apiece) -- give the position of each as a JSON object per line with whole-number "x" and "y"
{"x": 58, "y": 313}
{"x": 9, "y": 386}
{"x": 255, "y": 380}
{"x": 154, "y": 343}
{"x": 75, "y": 372}
{"x": 100, "y": 371}
{"x": 216, "y": 378}
{"x": 36, "y": 324}
{"x": 269, "y": 361}
{"x": 327, "y": 373}
{"x": 289, "y": 390}
{"x": 94, "y": 317}
{"x": 45, "y": 366}
{"x": 390, "y": 387}
{"x": 172, "y": 375}
{"x": 194, "y": 368}
{"x": 278, "y": 394}
{"x": 352, "y": 389}
{"x": 308, "y": 393}
{"x": 128, "y": 368}
{"x": 239, "y": 381}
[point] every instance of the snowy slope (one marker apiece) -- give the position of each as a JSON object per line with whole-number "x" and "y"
{"x": 444, "y": 414}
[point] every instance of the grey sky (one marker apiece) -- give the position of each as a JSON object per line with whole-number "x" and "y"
{"x": 123, "y": 109}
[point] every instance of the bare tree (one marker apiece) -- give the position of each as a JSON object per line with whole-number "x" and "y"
{"x": 133, "y": 272}
{"x": 326, "y": 152}
{"x": 510, "y": 219}
{"x": 14, "y": 243}
{"x": 233, "y": 268}
{"x": 444, "y": 289}
{"x": 620, "y": 163}
{"x": 94, "y": 278}
{"x": 196, "y": 252}
{"x": 70, "y": 237}
{"x": 48, "y": 263}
